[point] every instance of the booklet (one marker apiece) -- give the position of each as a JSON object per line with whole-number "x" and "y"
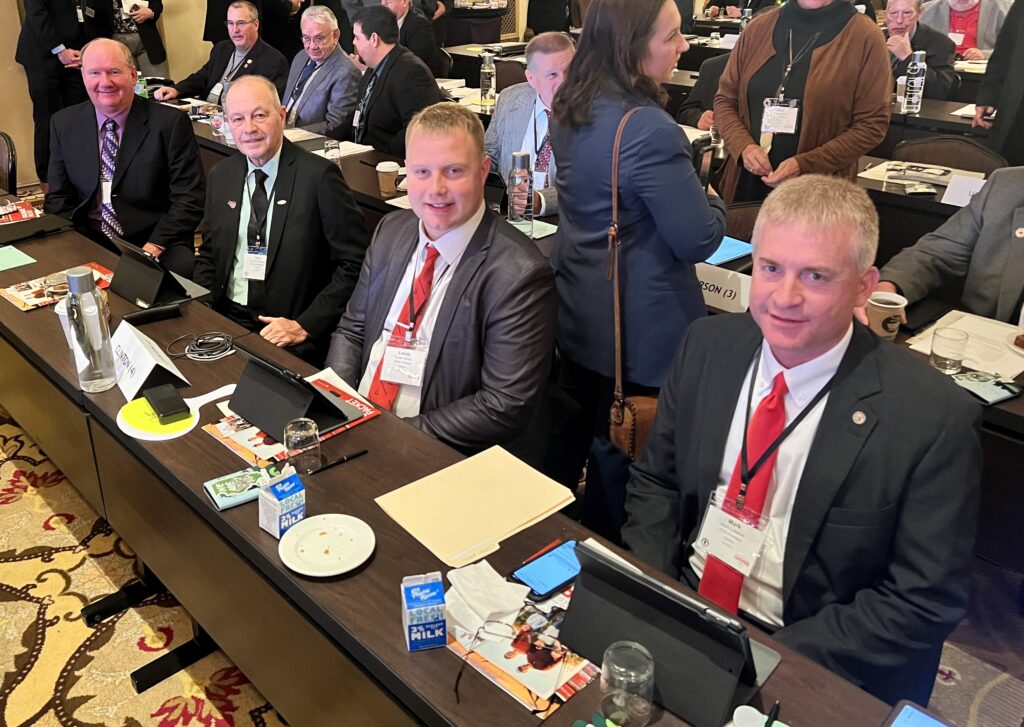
{"x": 17, "y": 212}
{"x": 49, "y": 289}
{"x": 244, "y": 485}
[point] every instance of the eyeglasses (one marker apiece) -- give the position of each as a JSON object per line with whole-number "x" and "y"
{"x": 317, "y": 40}
{"x": 240, "y": 24}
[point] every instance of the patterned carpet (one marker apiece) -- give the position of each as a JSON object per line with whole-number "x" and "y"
{"x": 56, "y": 555}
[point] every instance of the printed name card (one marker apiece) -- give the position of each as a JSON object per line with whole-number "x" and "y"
{"x": 960, "y": 190}
{"x": 723, "y": 289}
{"x": 139, "y": 363}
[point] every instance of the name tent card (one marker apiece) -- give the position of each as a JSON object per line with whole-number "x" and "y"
{"x": 139, "y": 363}
{"x": 724, "y": 289}
{"x": 961, "y": 189}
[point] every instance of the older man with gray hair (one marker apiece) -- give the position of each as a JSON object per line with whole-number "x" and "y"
{"x": 847, "y": 466}
{"x": 522, "y": 117}
{"x": 904, "y": 35}
{"x": 322, "y": 84}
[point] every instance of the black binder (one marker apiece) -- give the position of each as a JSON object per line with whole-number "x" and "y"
{"x": 142, "y": 279}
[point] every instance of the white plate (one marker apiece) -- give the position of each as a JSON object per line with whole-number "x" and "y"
{"x": 326, "y": 545}
{"x": 1010, "y": 338}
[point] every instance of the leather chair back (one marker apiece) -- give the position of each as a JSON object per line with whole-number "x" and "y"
{"x": 8, "y": 164}
{"x": 949, "y": 151}
{"x": 508, "y": 73}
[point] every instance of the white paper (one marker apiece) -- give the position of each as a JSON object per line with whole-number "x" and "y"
{"x": 400, "y": 202}
{"x": 971, "y": 66}
{"x": 542, "y": 229}
{"x": 723, "y": 289}
{"x": 450, "y": 83}
{"x": 135, "y": 357}
{"x": 346, "y": 148}
{"x": 463, "y": 92}
{"x": 488, "y": 596}
{"x": 295, "y": 135}
{"x": 961, "y": 189}
{"x": 966, "y": 112}
{"x": 692, "y": 132}
{"x": 882, "y": 173}
{"x": 729, "y": 40}
{"x": 987, "y": 349}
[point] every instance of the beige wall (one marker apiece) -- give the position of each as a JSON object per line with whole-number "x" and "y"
{"x": 181, "y": 27}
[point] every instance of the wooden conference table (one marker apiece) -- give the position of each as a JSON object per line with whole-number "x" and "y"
{"x": 323, "y": 651}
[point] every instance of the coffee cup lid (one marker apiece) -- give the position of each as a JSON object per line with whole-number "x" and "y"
{"x": 388, "y": 167}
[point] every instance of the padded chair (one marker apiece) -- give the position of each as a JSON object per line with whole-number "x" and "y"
{"x": 508, "y": 73}
{"x": 949, "y": 151}
{"x": 444, "y": 63}
{"x": 8, "y": 164}
{"x": 740, "y": 218}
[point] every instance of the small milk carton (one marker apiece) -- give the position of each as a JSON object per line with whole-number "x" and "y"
{"x": 282, "y": 504}
{"x": 423, "y": 611}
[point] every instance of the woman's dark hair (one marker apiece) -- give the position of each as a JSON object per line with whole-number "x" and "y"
{"x": 609, "y": 58}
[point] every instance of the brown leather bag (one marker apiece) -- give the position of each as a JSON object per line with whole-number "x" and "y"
{"x": 631, "y": 417}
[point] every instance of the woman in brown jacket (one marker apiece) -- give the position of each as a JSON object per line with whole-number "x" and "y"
{"x": 805, "y": 91}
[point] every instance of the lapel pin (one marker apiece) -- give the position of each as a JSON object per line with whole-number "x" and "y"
{"x": 232, "y": 203}
{"x": 859, "y": 417}
{"x": 1019, "y": 232}
{"x": 282, "y": 201}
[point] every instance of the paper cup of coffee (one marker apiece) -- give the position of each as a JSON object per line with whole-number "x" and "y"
{"x": 885, "y": 313}
{"x": 387, "y": 178}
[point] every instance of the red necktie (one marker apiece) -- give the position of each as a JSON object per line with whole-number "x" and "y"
{"x": 720, "y": 583}
{"x": 384, "y": 393}
{"x": 544, "y": 153}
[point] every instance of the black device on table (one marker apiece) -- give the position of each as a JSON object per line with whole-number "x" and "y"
{"x": 167, "y": 403}
{"x": 142, "y": 279}
{"x": 37, "y": 227}
{"x": 549, "y": 571}
{"x": 908, "y": 714}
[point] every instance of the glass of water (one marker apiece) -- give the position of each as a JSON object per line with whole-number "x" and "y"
{"x": 332, "y": 150}
{"x": 627, "y": 684}
{"x": 302, "y": 440}
{"x": 949, "y": 345}
{"x": 715, "y": 40}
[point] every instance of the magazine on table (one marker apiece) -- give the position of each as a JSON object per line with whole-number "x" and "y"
{"x": 49, "y": 289}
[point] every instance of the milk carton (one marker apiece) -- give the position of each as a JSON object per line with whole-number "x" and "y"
{"x": 423, "y": 611}
{"x": 282, "y": 504}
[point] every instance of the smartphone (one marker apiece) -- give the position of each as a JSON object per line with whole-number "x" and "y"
{"x": 908, "y": 714}
{"x": 167, "y": 403}
{"x": 548, "y": 572}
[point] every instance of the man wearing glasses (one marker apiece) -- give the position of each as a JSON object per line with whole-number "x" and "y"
{"x": 322, "y": 83}
{"x": 243, "y": 54}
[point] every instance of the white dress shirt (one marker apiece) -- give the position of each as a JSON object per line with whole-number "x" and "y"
{"x": 535, "y": 133}
{"x": 238, "y": 286}
{"x": 761, "y": 595}
{"x": 450, "y": 247}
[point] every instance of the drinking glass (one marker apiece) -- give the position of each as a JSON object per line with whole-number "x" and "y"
{"x": 627, "y": 684}
{"x": 302, "y": 440}
{"x": 949, "y": 345}
{"x": 332, "y": 150}
{"x": 715, "y": 40}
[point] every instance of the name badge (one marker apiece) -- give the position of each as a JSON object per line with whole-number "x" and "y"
{"x": 355, "y": 119}
{"x": 215, "y": 92}
{"x": 255, "y": 264}
{"x": 957, "y": 38}
{"x": 90, "y": 13}
{"x": 780, "y": 117}
{"x": 404, "y": 361}
{"x": 540, "y": 180}
{"x": 733, "y": 540}
{"x": 81, "y": 17}
{"x": 105, "y": 188}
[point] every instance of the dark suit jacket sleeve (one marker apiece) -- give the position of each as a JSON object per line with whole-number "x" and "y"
{"x": 278, "y": 73}
{"x": 940, "y": 53}
{"x": 653, "y": 530}
{"x": 701, "y": 99}
{"x": 420, "y": 40}
{"x": 1000, "y": 62}
{"x": 62, "y": 198}
{"x": 924, "y": 592}
{"x": 205, "y": 272}
{"x": 187, "y": 185}
{"x": 518, "y": 343}
{"x": 38, "y": 16}
{"x": 413, "y": 94}
{"x": 345, "y": 232}
{"x": 348, "y": 339}
{"x": 200, "y": 82}
{"x": 666, "y": 154}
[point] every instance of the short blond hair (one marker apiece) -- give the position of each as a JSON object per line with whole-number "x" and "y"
{"x": 446, "y": 118}
{"x": 821, "y": 202}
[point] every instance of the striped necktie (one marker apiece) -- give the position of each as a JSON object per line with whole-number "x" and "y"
{"x": 109, "y": 224}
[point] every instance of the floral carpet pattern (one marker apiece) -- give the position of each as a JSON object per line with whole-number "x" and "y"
{"x": 57, "y": 555}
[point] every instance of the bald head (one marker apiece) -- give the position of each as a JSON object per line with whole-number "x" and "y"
{"x": 256, "y": 118}
{"x": 109, "y": 76}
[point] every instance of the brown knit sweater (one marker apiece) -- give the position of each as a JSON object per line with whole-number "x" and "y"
{"x": 845, "y": 107}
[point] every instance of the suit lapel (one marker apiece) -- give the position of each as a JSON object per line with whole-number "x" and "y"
{"x": 1012, "y": 286}
{"x": 379, "y": 81}
{"x": 845, "y": 425}
{"x": 232, "y": 199}
{"x": 284, "y": 187}
{"x": 472, "y": 258}
{"x": 324, "y": 72}
{"x": 407, "y": 238}
{"x": 88, "y": 132}
{"x": 136, "y": 129}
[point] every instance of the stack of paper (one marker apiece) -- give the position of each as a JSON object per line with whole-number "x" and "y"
{"x": 347, "y": 148}
{"x": 463, "y": 512}
{"x": 966, "y": 112}
{"x": 989, "y": 343}
{"x": 297, "y": 135}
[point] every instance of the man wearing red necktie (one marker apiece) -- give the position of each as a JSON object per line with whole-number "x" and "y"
{"x": 807, "y": 475}
{"x": 451, "y": 325}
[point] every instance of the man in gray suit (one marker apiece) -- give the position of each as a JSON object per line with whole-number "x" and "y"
{"x": 853, "y": 463}
{"x": 983, "y": 242}
{"x": 451, "y": 325}
{"x": 959, "y": 19}
{"x": 322, "y": 82}
{"x": 521, "y": 118}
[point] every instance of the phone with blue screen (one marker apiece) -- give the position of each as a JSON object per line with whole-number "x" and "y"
{"x": 908, "y": 714}
{"x": 549, "y": 572}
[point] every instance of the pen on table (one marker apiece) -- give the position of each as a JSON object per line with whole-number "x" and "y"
{"x": 340, "y": 460}
{"x": 773, "y": 714}
{"x": 368, "y": 163}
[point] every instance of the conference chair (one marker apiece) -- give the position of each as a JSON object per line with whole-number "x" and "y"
{"x": 444, "y": 63}
{"x": 508, "y": 73}
{"x": 8, "y": 164}
{"x": 949, "y": 151}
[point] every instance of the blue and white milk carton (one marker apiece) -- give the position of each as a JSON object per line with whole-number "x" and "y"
{"x": 282, "y": 504}
{"x": 423, "y": 611}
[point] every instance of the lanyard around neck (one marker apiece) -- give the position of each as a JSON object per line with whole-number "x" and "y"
{"x": 793, "y": 61}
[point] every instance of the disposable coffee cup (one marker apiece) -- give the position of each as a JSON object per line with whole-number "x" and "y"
{"x": 885, "y": 313}
{"x": 387, "y": 178}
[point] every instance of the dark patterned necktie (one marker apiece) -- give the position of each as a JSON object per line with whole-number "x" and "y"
{"x": 307, "y": 71}
{"x": 109, "y": 224}
{"x": 544, "y": 153}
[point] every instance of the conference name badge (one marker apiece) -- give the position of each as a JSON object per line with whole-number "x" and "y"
{"x": 404, "y": 360}
{"x": 255, "y": 263}
{"x": 730, "y": 537}
{"x": 780, "y": 117}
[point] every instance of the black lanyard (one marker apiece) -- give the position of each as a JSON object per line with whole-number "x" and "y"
{"x": 793, "y": 61}
{"x": 748, "y": 473}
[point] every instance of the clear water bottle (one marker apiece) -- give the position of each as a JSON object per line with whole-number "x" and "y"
{"x": 87, "y": 315}
{"x": 520, "y": 193}
{"x": 745, "y": 18}
{"x": 142, "y": 87}
{"x": 487, "y": 85}
{"x": 916, "y": 72}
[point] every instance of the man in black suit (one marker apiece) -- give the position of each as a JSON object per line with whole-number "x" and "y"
{"x": 415, "y": 32}
{"x": 49, "y": 48}
{"x": 480, "y": 333}
{"x": 1002, "y": 89}
{"x": 124, "y": 166}
{"x": 904, "y": 35}
{"x": 138, "y": 31}
{"x": 858, "y": 528}
{"x": 394, "y": 87}
{"x": 243, "y": 54}
{"x": 283, "y": 238}
{"x": 698, "y": 108}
